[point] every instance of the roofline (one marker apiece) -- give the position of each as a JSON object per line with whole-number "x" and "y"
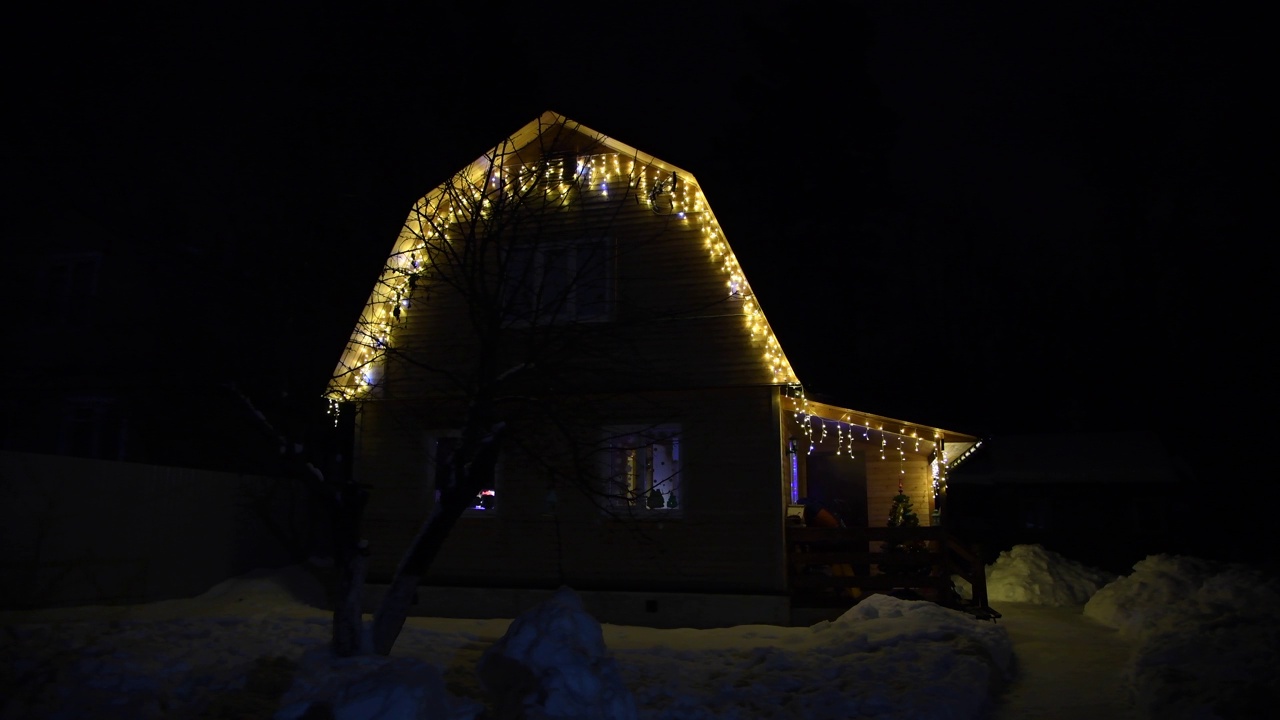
{"x": 532, "y": 129}
{"x": 880, "y": 423}
{"x": 357, "y": 367}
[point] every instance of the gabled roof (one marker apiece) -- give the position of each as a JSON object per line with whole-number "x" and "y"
{"x": 359, "y": 364}
{"x": 358, "y": 367}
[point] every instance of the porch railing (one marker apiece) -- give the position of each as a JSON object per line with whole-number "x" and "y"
{"x": 835, "y": 565}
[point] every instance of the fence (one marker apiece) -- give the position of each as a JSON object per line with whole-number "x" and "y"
{"x": 77, "y": 531}
{"x": 835, "y": 565}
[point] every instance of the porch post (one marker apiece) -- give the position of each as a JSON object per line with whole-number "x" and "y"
{"x": 939, "y": 481}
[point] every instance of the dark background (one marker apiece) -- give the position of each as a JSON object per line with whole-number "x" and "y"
{"x": 1009, "y": 219}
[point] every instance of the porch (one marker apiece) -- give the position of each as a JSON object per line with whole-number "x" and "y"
{"x": 833, "y": 568}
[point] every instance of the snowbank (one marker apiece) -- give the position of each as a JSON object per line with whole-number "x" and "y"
{"x": 1204, "y": 636}
{"x": 1207, "y": 637}
{"x": 1032, "y": 574}
{"x": 552, "y": 663}
{"x": 370, "y": 688}
{"x": 884, "y": 658}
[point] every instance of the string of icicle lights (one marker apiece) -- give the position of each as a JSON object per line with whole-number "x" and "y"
{"x": 607, "y": 175}
{"x": 893, "y": 444}
{"x": 847, "y": 430}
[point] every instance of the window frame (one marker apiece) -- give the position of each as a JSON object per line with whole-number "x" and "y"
{"x": 559, "y": 306}
{"x": 630, "y": 495}
{"x": 433, "y": 473}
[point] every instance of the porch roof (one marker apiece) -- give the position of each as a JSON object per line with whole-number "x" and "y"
{"x": 873, "y": 421}
{"x": 959, "y": 445}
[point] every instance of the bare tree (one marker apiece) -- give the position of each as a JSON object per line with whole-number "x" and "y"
{"x": 513, "y": 245}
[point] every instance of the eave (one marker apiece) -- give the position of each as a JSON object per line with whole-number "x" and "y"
{"x": 357, "y": 372}
{"x": 924, "y": 438}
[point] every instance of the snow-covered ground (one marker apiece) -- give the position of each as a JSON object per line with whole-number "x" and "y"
{"x": 1204, "y": 636}
{"x": 1202, "y": 642}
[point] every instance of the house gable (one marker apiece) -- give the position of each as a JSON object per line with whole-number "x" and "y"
{"x": 652, "y": 212}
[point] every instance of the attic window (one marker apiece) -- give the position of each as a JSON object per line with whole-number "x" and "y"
{"x": 557, "y": 283}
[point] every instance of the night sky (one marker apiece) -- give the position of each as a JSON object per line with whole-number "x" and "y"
{"x": 997, "y": 220}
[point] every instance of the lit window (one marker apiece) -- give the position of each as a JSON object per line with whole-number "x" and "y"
{"x": 553, "y": 283}
{"x": 643, "y": 471}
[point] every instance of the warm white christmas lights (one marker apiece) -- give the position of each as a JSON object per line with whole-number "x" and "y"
{"x": 664, "y": 191}
{"x": 436, "y": 221}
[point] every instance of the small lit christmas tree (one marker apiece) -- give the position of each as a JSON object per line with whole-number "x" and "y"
{"x": 902, "y": 515}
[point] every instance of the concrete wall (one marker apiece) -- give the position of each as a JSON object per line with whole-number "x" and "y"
{"x": 75, "y": 531}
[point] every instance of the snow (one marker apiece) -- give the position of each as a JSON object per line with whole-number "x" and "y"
{"x": 1032, "y": 574}
{"x": 1178, "y": 637}
{"x": 553, "y": 659}
{"x": 1206, "y": 635}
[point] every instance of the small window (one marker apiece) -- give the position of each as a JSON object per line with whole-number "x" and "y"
{"x": 442, "y": 447}
{"x": 556, "y": 283}
{"x": 644, "y": 469}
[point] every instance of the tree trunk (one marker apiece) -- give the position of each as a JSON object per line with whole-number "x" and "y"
{"x": 393, "y": 610}
{"x": 348, "y": 618}
{"x": 353, "y": 564}
{"x": 479, "y": 444}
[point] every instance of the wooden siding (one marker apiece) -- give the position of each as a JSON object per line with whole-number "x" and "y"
{"x": 904, "y": 461}
{"x": 726, "y": 537}
{"x": 391, "y": 456}
{"x": 675, "y": 324}
{"x": 883, "y": 477}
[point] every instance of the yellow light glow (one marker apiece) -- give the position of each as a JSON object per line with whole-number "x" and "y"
{"x": 436, "y": 215}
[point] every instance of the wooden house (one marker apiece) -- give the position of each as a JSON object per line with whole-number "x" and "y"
{"x": 657, "y": 443}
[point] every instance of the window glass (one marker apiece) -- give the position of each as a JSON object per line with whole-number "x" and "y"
{"x": 591, "y": 296}
{"x": 519, "y": 287}
{"x": 644, "y": 469}
{"x": 557, "y": 282}
{"x": 442, "y": 447}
